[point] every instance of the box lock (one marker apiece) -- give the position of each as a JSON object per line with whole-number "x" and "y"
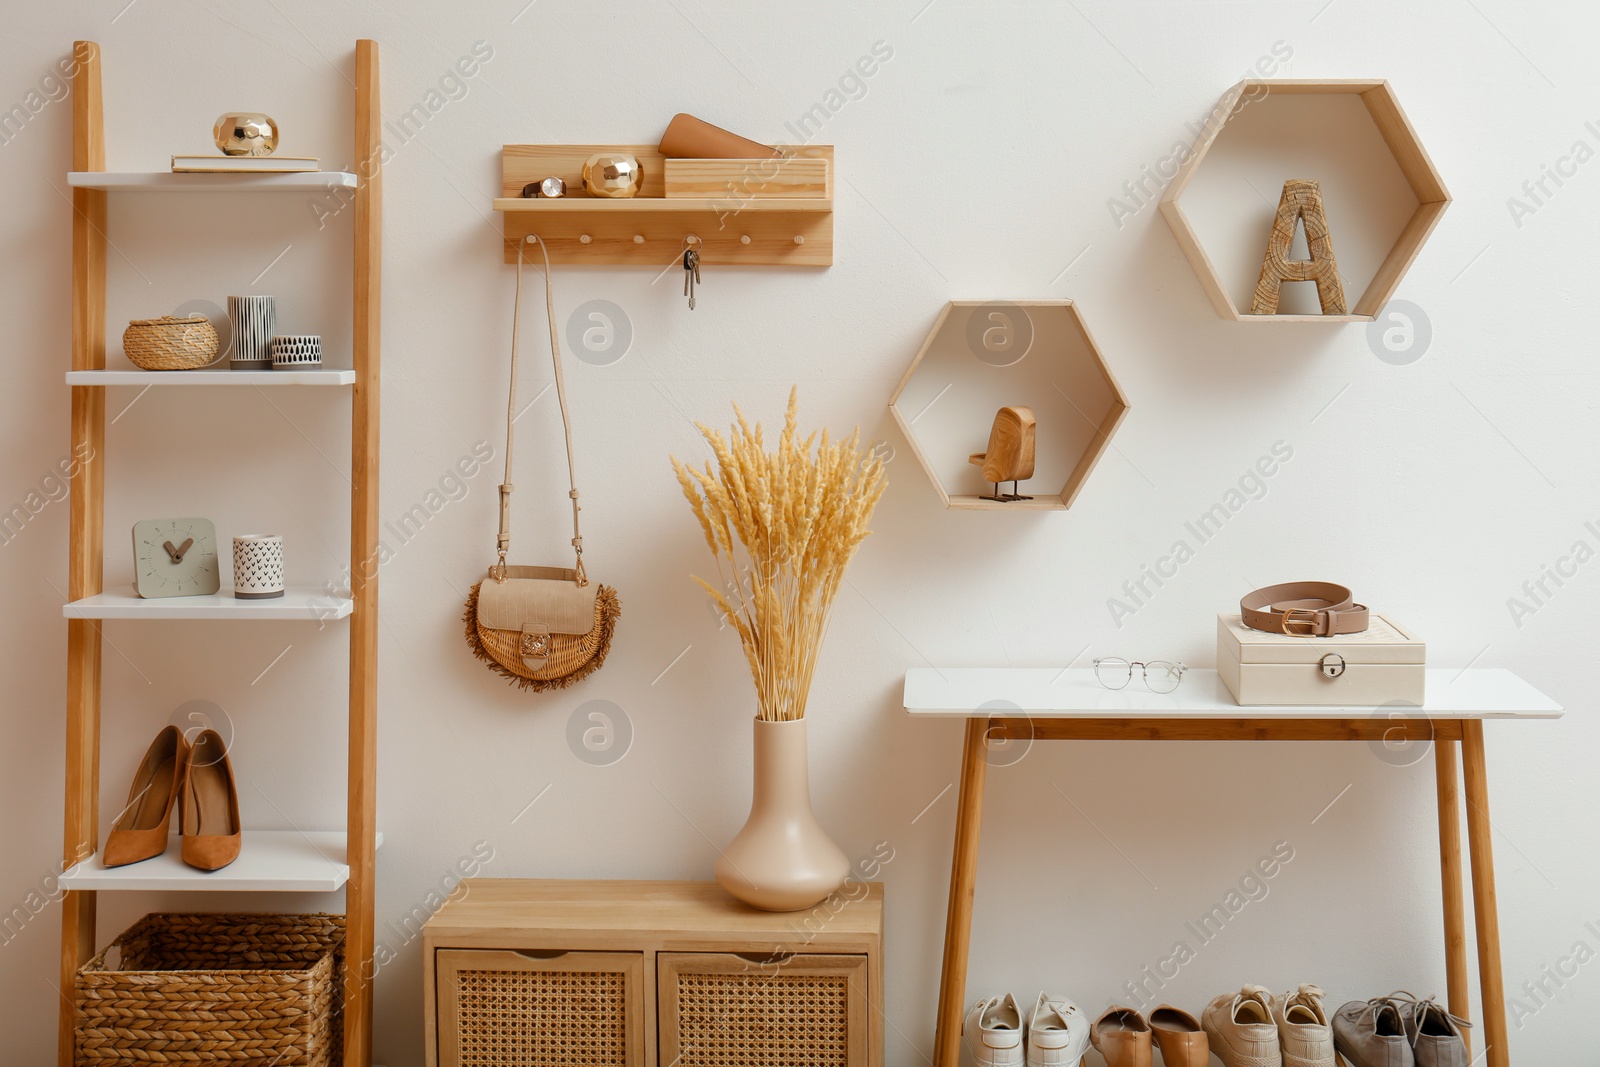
{"x": 1331, "y": 665}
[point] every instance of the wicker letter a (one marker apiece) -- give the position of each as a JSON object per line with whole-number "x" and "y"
{"x": 1302, "y": 199}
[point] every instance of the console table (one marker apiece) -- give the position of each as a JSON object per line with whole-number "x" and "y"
{"x": 1052, "y": 704}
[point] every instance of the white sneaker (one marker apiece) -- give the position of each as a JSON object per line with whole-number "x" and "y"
{"x": 1058, "y": 1033}
{"x": 1241, "y": 1030}
{"x": 994, "y": 1032}
{"x": 1303, "y": 1029}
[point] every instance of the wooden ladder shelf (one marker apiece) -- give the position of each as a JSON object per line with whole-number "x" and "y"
{"x": 88, "y": 379}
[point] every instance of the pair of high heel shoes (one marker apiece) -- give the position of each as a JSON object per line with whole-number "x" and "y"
{"x": 197, "y": 780}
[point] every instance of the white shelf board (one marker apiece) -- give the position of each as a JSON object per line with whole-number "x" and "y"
{"x": 320, "y": 376}
{"x": 284, "y": 861}
{"x": 300, "y": 603}
{"x": 162, "y": 181}
{"x": 1057, "y": 693}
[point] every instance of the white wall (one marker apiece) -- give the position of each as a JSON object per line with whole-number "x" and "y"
{"x": 1436, "y": 488}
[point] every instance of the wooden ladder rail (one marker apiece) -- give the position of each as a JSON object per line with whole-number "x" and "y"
{"x": 361, "y": 818}
{"x": 86, "y": 533}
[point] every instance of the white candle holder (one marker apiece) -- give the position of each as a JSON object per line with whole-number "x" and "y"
{"x": 257, "y": 566}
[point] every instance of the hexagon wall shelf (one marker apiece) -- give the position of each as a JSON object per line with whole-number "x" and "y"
{"x": 983, "y": 355}
{"x": 1383, "y": 195}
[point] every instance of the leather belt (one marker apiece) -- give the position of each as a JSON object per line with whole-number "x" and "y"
{"x": 1303, "y": 609}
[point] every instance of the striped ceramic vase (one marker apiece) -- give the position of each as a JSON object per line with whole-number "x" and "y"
{"x": 253, "y": 319}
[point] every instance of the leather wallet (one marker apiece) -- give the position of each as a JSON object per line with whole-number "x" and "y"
{"x": 690, "y": 138}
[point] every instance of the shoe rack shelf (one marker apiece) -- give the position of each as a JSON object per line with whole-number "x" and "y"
{"x": 144, "y": 378}
{"x": 1052, "y": 704}
{"x": 269, "y": 860}
{"x": 1383, "y": 109}
{"x": 649, "y": 229}
{"x": 161, "y": 181}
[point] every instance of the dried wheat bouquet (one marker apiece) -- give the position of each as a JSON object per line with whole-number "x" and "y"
{"x": 782, "y": 526}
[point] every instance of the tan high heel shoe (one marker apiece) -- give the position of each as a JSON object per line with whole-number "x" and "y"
{"x": 208, "y": 813}
{"x": 140, "y": 832}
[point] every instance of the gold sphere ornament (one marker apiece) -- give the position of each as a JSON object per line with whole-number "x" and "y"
{"x": 612, "y": 174}
{"x": 246, "y": 133}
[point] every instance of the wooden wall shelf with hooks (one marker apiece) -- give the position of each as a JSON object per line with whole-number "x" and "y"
{"x": 649, "y": 229}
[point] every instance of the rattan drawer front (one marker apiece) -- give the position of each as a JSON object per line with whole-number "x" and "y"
{"x": 507, "y": 1009}
{"x": 726, "y": 1010}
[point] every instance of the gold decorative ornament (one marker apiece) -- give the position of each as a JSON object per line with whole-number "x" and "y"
{"x": 246, "y": 133}
{"x": 612, "y": 174}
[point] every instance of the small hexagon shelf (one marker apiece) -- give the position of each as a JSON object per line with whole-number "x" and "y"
{"x": 1382, "y": 193}
{"x": 985, "y": 355}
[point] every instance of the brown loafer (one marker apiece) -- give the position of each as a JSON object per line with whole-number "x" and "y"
{"x": 140, "y": 832}
{"x": 209, "y": 814}
{"x": 1123, "y": 1038}
{"x": 1178, "y": 1035}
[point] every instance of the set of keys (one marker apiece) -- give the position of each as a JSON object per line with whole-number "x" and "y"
{"x": 691, "y": 268}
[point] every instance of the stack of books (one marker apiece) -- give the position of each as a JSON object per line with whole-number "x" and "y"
{"x": 243, "y": 164}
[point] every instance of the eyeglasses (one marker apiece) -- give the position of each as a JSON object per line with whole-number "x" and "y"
{"x": 1160, "y": 675}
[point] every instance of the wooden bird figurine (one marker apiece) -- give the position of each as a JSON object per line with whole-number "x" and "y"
{"x": 1010, "y": 454}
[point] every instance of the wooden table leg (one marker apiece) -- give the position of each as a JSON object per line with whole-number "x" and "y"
{"x": 1455, "y": 907}
{"x": 1490, "y": 979}
{"x": 963, "y": 882}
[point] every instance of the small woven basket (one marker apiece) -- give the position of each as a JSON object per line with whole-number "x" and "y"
{"x": 203, "y": 989}
{"x": 170, "y": 342}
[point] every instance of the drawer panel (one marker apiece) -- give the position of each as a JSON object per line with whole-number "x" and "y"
{"x": 503, "y": 1008}
{"x": 734, "y": 1010}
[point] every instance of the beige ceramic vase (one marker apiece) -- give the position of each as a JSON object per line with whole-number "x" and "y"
{"x": 782, "y": 860}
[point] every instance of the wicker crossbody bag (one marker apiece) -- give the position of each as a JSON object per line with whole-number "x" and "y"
{"x": 540, "y": 627}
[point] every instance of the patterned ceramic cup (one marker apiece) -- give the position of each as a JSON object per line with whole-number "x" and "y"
{"x": 257, "y": 566}
{"x": 296, "y": 350}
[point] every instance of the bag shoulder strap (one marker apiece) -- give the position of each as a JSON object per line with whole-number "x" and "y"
{"x": 503, "y": 544}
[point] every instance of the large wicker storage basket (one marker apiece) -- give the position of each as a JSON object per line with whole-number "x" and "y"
{"x": 204, "y": 989}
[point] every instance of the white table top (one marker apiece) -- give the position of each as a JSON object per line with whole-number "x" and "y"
{"x": 1073, "y": 693}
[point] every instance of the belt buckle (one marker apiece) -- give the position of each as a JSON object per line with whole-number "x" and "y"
{"x": 1288, "y": 622}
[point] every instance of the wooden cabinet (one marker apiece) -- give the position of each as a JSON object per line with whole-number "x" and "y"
{"x": 535, "y": 973}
